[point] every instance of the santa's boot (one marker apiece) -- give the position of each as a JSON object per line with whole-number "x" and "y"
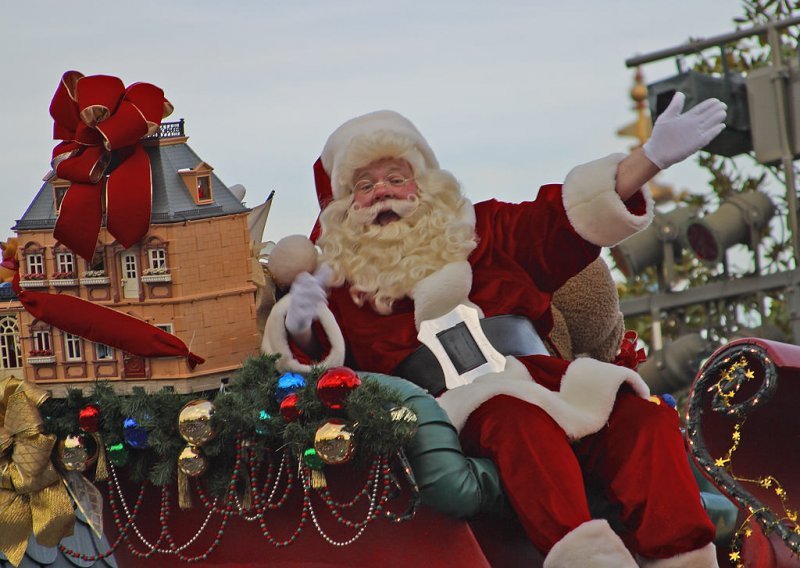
{"x": 591, "y": 545}
{"x": 705, "y": 557}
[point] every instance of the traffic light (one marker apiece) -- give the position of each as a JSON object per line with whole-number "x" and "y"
{"x": 658, "y": 245}
{"x": 739, "y": 220}
{"x": 729, "y": 88}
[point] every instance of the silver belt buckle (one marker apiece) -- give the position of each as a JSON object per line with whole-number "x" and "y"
{"x": 459, "y": 332}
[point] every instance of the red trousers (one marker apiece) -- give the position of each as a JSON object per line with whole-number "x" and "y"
{"x": 638, "y": 460}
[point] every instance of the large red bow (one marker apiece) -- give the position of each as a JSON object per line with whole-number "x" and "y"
{"x": 102, "y": 324}
{"x": 628, "y": 355}
{"x": 101, "y": 122}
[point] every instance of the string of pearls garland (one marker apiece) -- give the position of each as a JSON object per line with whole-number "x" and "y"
{"x": 264, "y": 500}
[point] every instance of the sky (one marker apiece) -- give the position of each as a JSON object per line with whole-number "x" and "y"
{"x": 510, "y": 95}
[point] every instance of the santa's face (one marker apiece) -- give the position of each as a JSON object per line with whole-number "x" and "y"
{"x": 381, "y": 187}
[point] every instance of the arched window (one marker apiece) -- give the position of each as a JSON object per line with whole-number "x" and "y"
{"x": 10, "y": 356}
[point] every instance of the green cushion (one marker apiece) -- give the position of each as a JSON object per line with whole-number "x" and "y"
{"x": 449, "y": 481}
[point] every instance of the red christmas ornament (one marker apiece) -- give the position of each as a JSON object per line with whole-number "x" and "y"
{"x": 89, "y": 418}
{"x": 289, "y": 409}
{"x": 335, "y": 384}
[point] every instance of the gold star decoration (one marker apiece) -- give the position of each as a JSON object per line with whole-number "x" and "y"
{"x": 734, "y": 556}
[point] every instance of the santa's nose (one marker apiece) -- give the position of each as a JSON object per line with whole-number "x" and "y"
{"x": 383, "y": 192}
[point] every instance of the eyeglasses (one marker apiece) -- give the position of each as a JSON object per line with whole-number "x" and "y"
{"x": 392, "y": 180}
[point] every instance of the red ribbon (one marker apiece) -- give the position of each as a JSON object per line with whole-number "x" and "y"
{"x": 101, "y": 122}
{"x": 628, "y": 355}
{"x": 103, "y": 325}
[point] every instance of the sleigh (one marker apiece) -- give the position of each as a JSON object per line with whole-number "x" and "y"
{"x": 741, "y": 431}
{"x": 445, "y": 508}
{"x": 463, "y": 519}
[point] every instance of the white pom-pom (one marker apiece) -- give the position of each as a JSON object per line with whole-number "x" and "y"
{"x": 291, "y": 256}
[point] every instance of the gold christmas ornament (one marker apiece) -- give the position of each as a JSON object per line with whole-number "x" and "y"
{"x": 73, "y": 454}
{"x": 192, "y": 462}
{"x": 335, "y": 442}
{"x": 194, "y": 422}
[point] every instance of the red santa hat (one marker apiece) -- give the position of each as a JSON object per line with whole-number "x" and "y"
{"x": 364, "y": 139}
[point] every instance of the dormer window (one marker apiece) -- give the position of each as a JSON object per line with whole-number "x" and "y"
{"x": 204, "y": 188}
{"x": 198, "y": 182}
{"x": 59, "y": 191}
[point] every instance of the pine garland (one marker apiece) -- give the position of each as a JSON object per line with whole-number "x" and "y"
{"x": 246, "y": 408}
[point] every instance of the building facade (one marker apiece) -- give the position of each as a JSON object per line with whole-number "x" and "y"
{"x": 191, "y": 275}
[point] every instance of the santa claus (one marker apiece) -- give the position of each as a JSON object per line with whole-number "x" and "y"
{"x": 420, "y": 283}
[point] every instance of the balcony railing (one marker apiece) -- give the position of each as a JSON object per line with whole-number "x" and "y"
{"x": 34, "y": 283}
{"x": 168, "y": 130}
{"x": 150, "y": 278}
{"x": 95, "y": 280}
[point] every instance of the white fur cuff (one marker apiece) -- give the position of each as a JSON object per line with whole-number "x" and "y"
{"x": 594, "y": 208}
{"x": 581, "y": 407}
{"x": 276, "y": 338}
{"x": 591, "y": 544}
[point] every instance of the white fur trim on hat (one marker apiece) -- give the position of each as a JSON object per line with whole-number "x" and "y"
{"x": 591, "y": 544}
{"x": 366, "y": 138}
{"x": 595, "y": 209}
{"x": 276, "y": 338}
{"x": 581, "y": 407}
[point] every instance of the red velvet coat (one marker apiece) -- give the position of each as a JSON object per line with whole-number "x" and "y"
{"x": 525, "y": 252}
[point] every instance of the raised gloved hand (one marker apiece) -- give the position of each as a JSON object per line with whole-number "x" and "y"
{"x": 307, "y": 293}
{"x": 677, "y": 135}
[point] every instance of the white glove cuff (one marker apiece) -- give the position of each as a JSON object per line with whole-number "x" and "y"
{"x": 648, "y": 151}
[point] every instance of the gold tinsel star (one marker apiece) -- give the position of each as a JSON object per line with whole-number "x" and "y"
{"x": 766, "y": 483}
{"x": 750, "y": 374}
{"x": 748, "y": 532}
{"x": 734, "y": 556}
{"x": 737, "y": 436}
{"x": 720, "y": 462}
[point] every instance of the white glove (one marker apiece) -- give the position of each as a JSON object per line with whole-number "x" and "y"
{"x": 677, "y": 136}
{"x": 307, "y": 293}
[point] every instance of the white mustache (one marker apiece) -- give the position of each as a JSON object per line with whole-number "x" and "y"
{"x": 367, "y": 215}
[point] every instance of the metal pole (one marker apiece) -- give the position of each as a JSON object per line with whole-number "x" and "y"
{"x": 780, "y": 75}
{"x": 696, "y": 45}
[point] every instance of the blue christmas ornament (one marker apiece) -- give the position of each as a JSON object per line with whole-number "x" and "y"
{"x": 134, "y": 434}
{"x": 669, "y": 399}
{"x": 287, "y": 384}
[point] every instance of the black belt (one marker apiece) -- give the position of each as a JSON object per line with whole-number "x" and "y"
{"x": 510, "y": 334}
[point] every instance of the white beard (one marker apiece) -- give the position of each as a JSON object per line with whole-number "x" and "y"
{"x": 382, "y": 264}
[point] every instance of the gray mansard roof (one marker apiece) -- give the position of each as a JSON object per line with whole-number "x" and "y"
{"x": 171, "y": 200}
